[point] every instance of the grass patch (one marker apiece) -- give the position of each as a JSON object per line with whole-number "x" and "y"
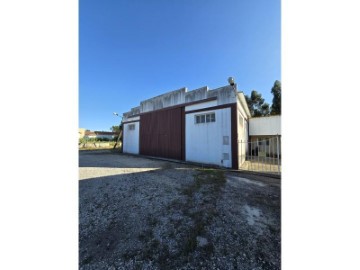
{"x": 212, "y": 179}
{"x": 201, "y": 209}
{"x": 201, "y": 220}
{"x": 190, "y": 245}
{"x": 166, "y": 166}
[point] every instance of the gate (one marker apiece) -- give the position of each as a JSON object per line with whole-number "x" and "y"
{"x": 261, "y": 155}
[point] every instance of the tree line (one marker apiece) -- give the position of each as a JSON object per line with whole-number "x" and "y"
{"x": 115, "y": 129}
{"x": 258, "y": 106}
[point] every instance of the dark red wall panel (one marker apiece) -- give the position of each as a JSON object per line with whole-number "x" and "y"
{"x": 161, "y": 133}
{"x": 234, "y": 137}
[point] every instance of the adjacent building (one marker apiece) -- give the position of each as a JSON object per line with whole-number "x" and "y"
{"x": 265, "y": 135}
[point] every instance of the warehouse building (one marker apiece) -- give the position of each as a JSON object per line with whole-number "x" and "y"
{"x": 203, "y": 126}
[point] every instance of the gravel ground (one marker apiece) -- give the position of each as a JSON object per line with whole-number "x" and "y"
{"x": 139, "y": 213}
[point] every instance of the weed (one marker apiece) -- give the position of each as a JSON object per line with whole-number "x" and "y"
{"x": 152, "y": 221}
{"x": 209, "y": 179}
{"x": 209, "y": 249}
{"x": 190, "y": 244}
{"x": 273, "y": 230}
{"x": 154, "y": 244}
{"x": 146, "y": 235}
{"x": 87, "y": 260}
{"x": 209, "y": 182}
{"x": 163, "y": 257}
{"x": 172, "y": 234}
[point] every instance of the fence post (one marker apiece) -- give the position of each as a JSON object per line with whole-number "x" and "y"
{"x": 257, "y": 146}
{"x": 262, "y": 165}
{"x": 269, "y": 160}
{"x": 274, "y": 147}
{"x": 272, "y": 154}
{"x": 251, "y": 155}
{"x": 277, "y": 150}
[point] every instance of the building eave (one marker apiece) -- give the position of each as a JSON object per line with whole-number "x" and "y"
{"x": 243, "y": 102}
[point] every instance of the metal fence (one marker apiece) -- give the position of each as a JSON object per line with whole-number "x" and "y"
{"x": 261, "y": 155}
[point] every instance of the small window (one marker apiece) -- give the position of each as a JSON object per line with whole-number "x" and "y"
{"x": 131, "y": 127}
{"x": 197, "y": 119}
{"x": 205, "y": 118}
{"x": 225, "y": 140}
{"x": 225, "y": 156}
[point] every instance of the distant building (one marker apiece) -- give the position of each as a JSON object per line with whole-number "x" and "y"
{"x": 81, "y": 133}
{"x": 100, "y": 135}
{"x": 202, "y": 125}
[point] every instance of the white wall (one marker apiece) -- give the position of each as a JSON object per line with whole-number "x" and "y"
{"x": 204, "y": 142}
{"x": 131, "y": 118}
{"x": 131, "y": 138}
{"x": 201, "y": 105}
{"x": 268, "y": 125}
{"x": 242, "y": 125}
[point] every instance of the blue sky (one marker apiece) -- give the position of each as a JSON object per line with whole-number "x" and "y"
{"x": 136, "y": 49}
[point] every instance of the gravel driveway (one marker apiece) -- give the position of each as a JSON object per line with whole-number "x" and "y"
{"x": 139, "y": 213}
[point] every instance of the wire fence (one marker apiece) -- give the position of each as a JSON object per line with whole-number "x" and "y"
{"x": 261, "y": 155}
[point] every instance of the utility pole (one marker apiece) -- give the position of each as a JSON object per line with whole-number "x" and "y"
{"x": 120, "y": 132}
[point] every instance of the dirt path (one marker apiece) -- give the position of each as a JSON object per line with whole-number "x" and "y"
{"x": 138, "y": 213}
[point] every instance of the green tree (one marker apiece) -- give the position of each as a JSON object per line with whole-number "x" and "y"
{"x": 115, "y": 128}
{"x": 276, "y": 102}
{"x": 257, "y": 105}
